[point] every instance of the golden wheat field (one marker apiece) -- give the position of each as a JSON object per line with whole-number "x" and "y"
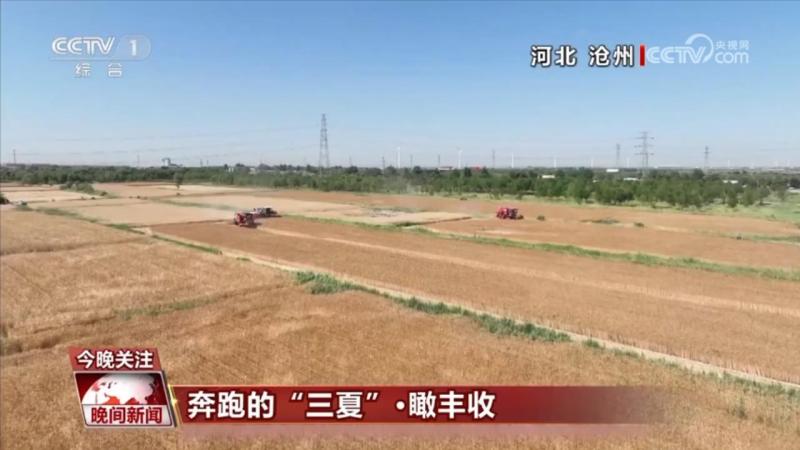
{"x": 216, "y": 319}
{"x": 740, "y": 322}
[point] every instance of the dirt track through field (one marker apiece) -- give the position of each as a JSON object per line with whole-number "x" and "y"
{"x": 608, "y": 300}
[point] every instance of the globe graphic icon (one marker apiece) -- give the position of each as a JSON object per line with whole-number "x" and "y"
{"x": 120, "y": 389}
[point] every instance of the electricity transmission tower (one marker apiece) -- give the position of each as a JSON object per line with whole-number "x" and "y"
{"x": 617, "y": 159}
{"x": 705, "y": 155}
{"x": 644, "y": 149}
{"x": 493, "y": 159}
{"x": 324, "y": 155}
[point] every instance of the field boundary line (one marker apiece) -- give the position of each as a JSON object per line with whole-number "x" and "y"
{"x": 690, "y": 365}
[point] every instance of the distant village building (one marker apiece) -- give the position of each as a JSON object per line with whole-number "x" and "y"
{"x": 167, "y": 163}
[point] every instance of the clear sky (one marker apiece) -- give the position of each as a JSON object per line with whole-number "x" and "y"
{"x": 247, "y": 82}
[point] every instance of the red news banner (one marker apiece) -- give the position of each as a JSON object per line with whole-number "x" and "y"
{"x": 413, "y": 404}
{"x": 126, "y": 387}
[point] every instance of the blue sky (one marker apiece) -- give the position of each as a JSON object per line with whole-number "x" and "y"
{"x": 246, "y": 82}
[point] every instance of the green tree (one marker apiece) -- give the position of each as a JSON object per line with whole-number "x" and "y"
{"x": 750, "y": 196}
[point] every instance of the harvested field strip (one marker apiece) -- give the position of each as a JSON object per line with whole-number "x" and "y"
{"x": 658, "y": 280}
{"x": 554, "y": 276}
{"x": 567, "y": 249}
{"x": 713, "y": 247}
{"x": 505, "y": 325}
{"x": 713, "y": 333}
{"x": 636, "y": 258}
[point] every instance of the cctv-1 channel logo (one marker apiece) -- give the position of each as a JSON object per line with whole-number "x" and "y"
{"x": 128, "y": 47}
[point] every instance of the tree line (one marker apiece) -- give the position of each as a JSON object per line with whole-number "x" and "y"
{"x": 682, "y": 188}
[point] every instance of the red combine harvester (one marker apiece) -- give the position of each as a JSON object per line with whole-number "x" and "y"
{"x": 244, "y": 219}
{"x": 505, "y": 212}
